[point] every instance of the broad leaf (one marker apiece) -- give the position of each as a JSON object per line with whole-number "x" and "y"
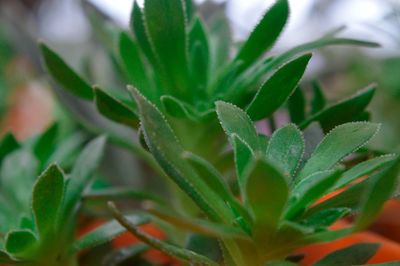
{"x": 65, "y": 75}
{"x": 357, "y": 254}
{"x": 286, "y": 148}
{"x": 340, "y": 142}
{"x": 277, "y": 89}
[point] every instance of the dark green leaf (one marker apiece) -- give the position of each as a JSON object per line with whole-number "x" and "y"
{"x": 20, "y": 243}
{"x": 65, "y": 75}
{"x": 44, "y": 146}
{"x": 243, "y": 156}
{"x": 5, "y": 258}
{"x": 114, "y": 109}
{"x": 7, "y": 145}
{"x": 277, "y": 89}
{"x": 357, "y": 254}
{"x": 297, "y": 106}
{"x": 265, "y": 34}
{"x": 340, "y": 142}
{"x": 318, "y": 102}
{"x": 326, "y": 217}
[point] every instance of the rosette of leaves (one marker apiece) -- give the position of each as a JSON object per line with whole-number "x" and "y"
{"x": 183, "y": 66}
{"x": 277, "y": 208}
{"x": 39, "y": 215}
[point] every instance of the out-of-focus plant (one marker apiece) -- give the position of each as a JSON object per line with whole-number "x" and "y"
{"x": 39, "y": 215}
{"x": 278, "y": 208}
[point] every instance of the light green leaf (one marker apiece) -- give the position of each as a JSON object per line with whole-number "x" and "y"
{"x": 265, "y": 33}
{"x": 220, "y": 38}
{"x": 20, "y": 243}
{"x": 235, "y": 121}
{"x": 309, "y": 190}
{"x": 48, "y": 193}
{"x": 340, "y": 142}
{"x": 345, "y": 111}
{"x": 286, "y": 148}
{"x": 357, "y": 254}
{"x": 278, "y": 88}
{"x": 380, "y": 188}
{"x": 114, "y": 109}
{"x": 362, "y": 169}
{"x": 65, "y": 75}
{"x": 167, "y": 248}
{"x": 266, "y": 194}
{"x": 105, "y": 233}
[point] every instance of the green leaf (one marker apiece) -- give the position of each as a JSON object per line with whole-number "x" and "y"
{"x": 114, "y": 109}
{"x": 166, "y": 149}
{"x": 345, "y": 111}
{"x": 309, "y": 190}
{"x": 20, "y": 243}
{"x": 48, "y": 193}
{"x": 243, "y": 156}
{"x": 44, "y": 146}
{"x": 220, "y": 39}
{"x": 278, "y": 88}
{"x": 5, "y": 258}
{"x": 81, "y": 174}
{"x": 297, "y": 106}
{"x": 65, "y": 150}
{"x": 177, "y": 108}
{"x": 318, "y": 102}
{"x": 340, "y": 142}
{"x": 167, "y": 248}
{"x": 326, "y": 217}
{"x": 380, "y": 188}
{"x": 165, "y": 23}
{"x": 105, "y": 233}
{"x": 265, "y": 33}
{"x": 235, "y": 121}
{"x": 134, "y": 65}
{"x": 363, "y": 169}
{"x": 286, "y": 148}
{"x": 266, "y": 194}
{"x": 64, "y": 75}
{"x": 8, "y": 144}
{"x": 357, "y": 254}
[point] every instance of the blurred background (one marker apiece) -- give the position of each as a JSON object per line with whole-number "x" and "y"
{"x": 28, "y": 105}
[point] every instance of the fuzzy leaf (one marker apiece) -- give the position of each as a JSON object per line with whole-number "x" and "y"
{"x": 48, "y": 193}
{"x": 309, "y": 190}
{"x": 64, "y": 74}
{"x": 277, "y": 89}
{"x": 105, "y": 233}
{"x": 340, "y": 142}
{"x": 286, "y": 148}
{"x": 380, "y": 189}
{"x": 265, "y": 34}
{"x": 20, "y": 243}
{"x": 266, "y": 193}
{"x": 235, "y": 121}
{"x": 357, "y": 254}
{"x": 114, "y": 109}
{"x": 345, "y": 111}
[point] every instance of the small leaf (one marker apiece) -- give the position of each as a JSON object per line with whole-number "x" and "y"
{"x": 380, "y": 188}
{"x": 48, "y": 193}
{"x": 44, "y": 146}
{"x": 277, "y": 89}
{"x": 105, "y": 233}
{"x": 265, "y": 33}
{"x": 177, "y": 108}
{"x": 363, "y": 169}
{"x": 266, "y": 194}
{"x": 243, "y": 156}
{"x": 286, "y": 148}
{"x": 297, "y": 106}
{"x": 167, "y": 248}
{"x": 20, "y": 243}
{"x": 64, "y": 75}
{"x": 345, "y": 111}
{"x": 114, "y": 109}
{"x": 309, "y": 190}
{"x": 235, "y": 121}
{"x": 8, "y": 144}
{"x": 318, "y": 102}
{"x": 326, "y": 217}
{"x": 340, "y": 142}
{"x": 357, "y": 254}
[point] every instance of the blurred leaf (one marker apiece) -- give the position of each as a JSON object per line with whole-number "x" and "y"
{"x": 114, "y": 109}
{"x": 267, "y": 193}
{"x": 278, "y": 88}
{"x": 265, "y": 33}
{"x": 345, "y": 111}
{"x": 177, "y": 108}
{"x": 44, "y": 146}
{"x": 326, "y": 217}
{"x": 5, "y": 258}
{"x": 220, "y": 39}
{"x": 357, "y": 254}
{"x": 297, "y": 106}
{"x": 117, "y": 257}
{"x": 318, "y": 102}
{"x": 8, "y": 144}
{"x": 286, "y": 148}
{"x": 379, "y": 190}
{"x": 204, "y": 245}
{"x": 20, "y": 243}
{"x": 340, "y": 142}
{"x": 105, "y": 233}
{"x": 47, "y": 197}
{"x": 64, "y": 75}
